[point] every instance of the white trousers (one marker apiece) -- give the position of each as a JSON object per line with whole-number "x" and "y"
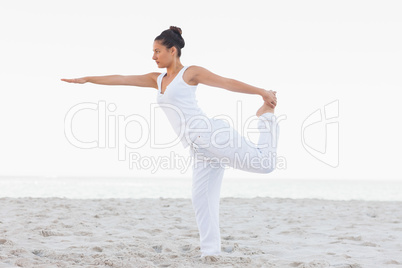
{"x": 212, "y": 152}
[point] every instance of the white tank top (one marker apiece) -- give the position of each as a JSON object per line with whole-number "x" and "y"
{"x": 181, "y": 107}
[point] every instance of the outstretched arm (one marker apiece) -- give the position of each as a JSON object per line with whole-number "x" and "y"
{"x": 146, "y": 80}
{"x": 203, "y": 76}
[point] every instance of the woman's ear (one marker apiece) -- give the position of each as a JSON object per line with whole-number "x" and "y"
{"x": 173, "y": 50}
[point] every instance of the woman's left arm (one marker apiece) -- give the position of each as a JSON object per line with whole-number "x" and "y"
{"x": 203, "y": 76}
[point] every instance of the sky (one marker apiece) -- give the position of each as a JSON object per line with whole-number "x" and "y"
{"x": 336, "y": 66}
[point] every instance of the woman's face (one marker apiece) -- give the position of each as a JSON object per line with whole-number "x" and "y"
{"x": 162, "y": 56}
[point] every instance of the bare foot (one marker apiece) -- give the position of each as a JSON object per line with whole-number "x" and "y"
{"x": 265, "y": 108}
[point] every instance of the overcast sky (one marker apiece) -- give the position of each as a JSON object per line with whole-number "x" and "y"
{"x": 342, "y": 55}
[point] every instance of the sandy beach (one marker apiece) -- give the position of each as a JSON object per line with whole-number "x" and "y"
{"x": 257, "y": 232}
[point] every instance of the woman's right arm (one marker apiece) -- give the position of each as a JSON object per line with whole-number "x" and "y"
{"x": 146, "y": 80}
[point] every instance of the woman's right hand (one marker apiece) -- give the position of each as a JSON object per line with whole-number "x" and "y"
{"x": 269, "y": 97}
{"x": 75, "y": 80}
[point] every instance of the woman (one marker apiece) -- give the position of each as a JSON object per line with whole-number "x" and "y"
{"x": 212, "y": 149}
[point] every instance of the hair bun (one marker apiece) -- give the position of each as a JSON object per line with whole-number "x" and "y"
{"x": 175, "y": 29}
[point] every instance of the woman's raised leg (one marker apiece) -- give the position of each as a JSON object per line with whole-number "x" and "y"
{"x": 230, "y": 148}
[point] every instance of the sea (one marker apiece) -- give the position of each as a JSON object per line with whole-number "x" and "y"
{"x": 150, "y": 187}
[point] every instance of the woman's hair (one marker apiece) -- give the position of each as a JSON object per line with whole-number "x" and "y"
{"x": 172, "y": 38}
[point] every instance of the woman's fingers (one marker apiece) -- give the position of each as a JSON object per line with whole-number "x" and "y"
{"x": 68, "y": 80}
{"x": 74, "y": 80}
{"x": 275, "y": 100}
{"x": 270, "y": 98}
{"x": 271, "y": 104}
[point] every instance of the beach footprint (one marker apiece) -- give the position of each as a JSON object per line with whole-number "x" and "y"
{"x": 46, "y": 233}
{"x": 158, "y": 248}
{"x": 6, "y": 242}
{"x": 230, "y": 248}
{"x": 186, "y": 248}
{"x": 312, "y": 264}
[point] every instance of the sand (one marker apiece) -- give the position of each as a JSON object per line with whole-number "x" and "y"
{"x": 258, "y": 232}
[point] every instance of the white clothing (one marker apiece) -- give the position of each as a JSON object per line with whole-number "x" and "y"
{"x": 213, "y": 147}
{"x": 180, "y": 105}
{"x": 208, "y": 169}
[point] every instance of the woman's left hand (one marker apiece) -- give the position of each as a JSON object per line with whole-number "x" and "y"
{"x": 269, "y": 97}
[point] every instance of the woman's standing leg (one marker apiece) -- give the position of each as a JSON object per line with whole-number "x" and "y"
{"x": 208, "y": 173}
{"x": 207, "y": 180}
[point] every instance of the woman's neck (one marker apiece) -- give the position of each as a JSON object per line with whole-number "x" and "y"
{"x": 174, "y": 68}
